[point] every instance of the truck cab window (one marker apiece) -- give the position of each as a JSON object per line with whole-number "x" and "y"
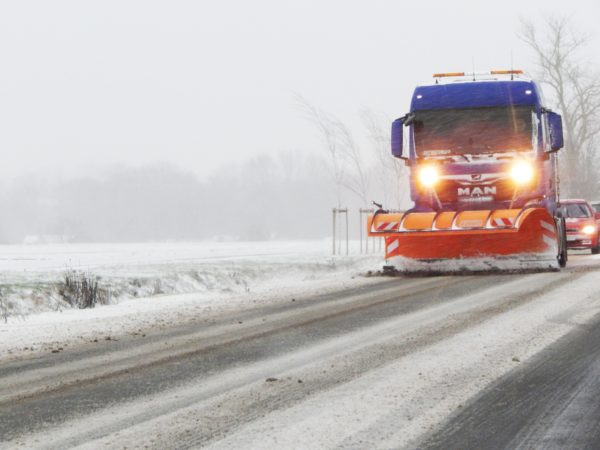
{"x": 474, "y": 131}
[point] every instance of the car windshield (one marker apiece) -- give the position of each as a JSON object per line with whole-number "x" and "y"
{"x": 576, "y": 210}
{"x": 473, "y": 131}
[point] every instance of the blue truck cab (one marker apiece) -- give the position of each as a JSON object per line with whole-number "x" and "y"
{"x": 480, "y": 141}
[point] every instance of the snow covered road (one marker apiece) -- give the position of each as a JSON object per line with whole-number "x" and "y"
{"x": 379, "y": 363}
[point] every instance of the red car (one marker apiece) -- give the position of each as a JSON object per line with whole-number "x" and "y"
{"x": 582, "y": 224}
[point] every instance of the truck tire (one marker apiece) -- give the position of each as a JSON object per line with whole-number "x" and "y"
{"x": 562, "y": 256}
{"x": 596, "y": 249}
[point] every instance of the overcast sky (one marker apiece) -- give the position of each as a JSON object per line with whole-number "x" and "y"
{"x": 203, "y": 83}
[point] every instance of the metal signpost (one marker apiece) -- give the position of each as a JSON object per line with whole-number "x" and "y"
{"x": 337, "y": 212}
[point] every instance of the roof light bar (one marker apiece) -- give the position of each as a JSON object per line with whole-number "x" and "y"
{"x": 506, "y": 72}
{"x": 472, "y": 74}
{"x": 449, "y": 74}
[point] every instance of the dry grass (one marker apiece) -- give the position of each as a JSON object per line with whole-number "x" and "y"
{"x": 82, "y": 290}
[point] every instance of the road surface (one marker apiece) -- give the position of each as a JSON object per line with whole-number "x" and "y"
{"x": 477, "y": 361}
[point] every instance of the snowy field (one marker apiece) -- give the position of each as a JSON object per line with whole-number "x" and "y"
{"x": 30, "y": 274}
{"x": 152, "y": 285}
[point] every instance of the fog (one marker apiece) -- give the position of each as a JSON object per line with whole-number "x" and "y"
{"x": 163, "y": 202}
{"x": 148, "y": 120}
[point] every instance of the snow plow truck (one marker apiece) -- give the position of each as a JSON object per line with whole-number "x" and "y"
{"x": 481, "y": 150}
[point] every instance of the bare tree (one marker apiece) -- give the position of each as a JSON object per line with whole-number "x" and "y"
{"x": 576, "y": 90}
{"x": 325, "y": 126}
{"x": 356, "y": 181}
{"x": 346, "y": 160}
{"x": 390, "y": 172}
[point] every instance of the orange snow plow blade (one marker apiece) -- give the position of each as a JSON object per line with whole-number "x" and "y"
{"x": 466, "y": 234}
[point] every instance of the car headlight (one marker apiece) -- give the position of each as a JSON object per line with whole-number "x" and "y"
{"x": 522, "y": 172}
{"x": 428, "y": 176}
{"x": 588, "y": 229}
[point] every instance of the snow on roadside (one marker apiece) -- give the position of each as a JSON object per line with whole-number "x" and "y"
{"x": 30, "y": 276}
{"x": 154, "y": 285}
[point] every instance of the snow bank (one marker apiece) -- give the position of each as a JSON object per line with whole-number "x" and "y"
{"x": 31, "y": 276}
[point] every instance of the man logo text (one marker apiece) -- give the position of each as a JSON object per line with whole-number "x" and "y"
{"x": 476, "y": 191}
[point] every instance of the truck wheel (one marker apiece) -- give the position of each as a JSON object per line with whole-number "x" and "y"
{"x": 562, "y": 256}
{"x": 596, "y": 249}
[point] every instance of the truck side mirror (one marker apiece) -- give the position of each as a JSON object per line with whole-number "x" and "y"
{"x": 397, "y": 138}
{"x": 597, "y": 215}
{"x": 556, "y": 131}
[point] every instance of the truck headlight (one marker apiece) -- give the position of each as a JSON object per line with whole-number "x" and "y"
{"x": 428, "y": 176}
{"x": 522, "y": 172}
{"x": 588, "y": 229}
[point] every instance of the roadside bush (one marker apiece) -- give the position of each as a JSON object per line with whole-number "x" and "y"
{"x": 82, "y": 290}
{"x": 3, "y": 307}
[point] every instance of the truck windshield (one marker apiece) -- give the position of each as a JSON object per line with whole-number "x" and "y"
{"x": 473, "y": 131}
